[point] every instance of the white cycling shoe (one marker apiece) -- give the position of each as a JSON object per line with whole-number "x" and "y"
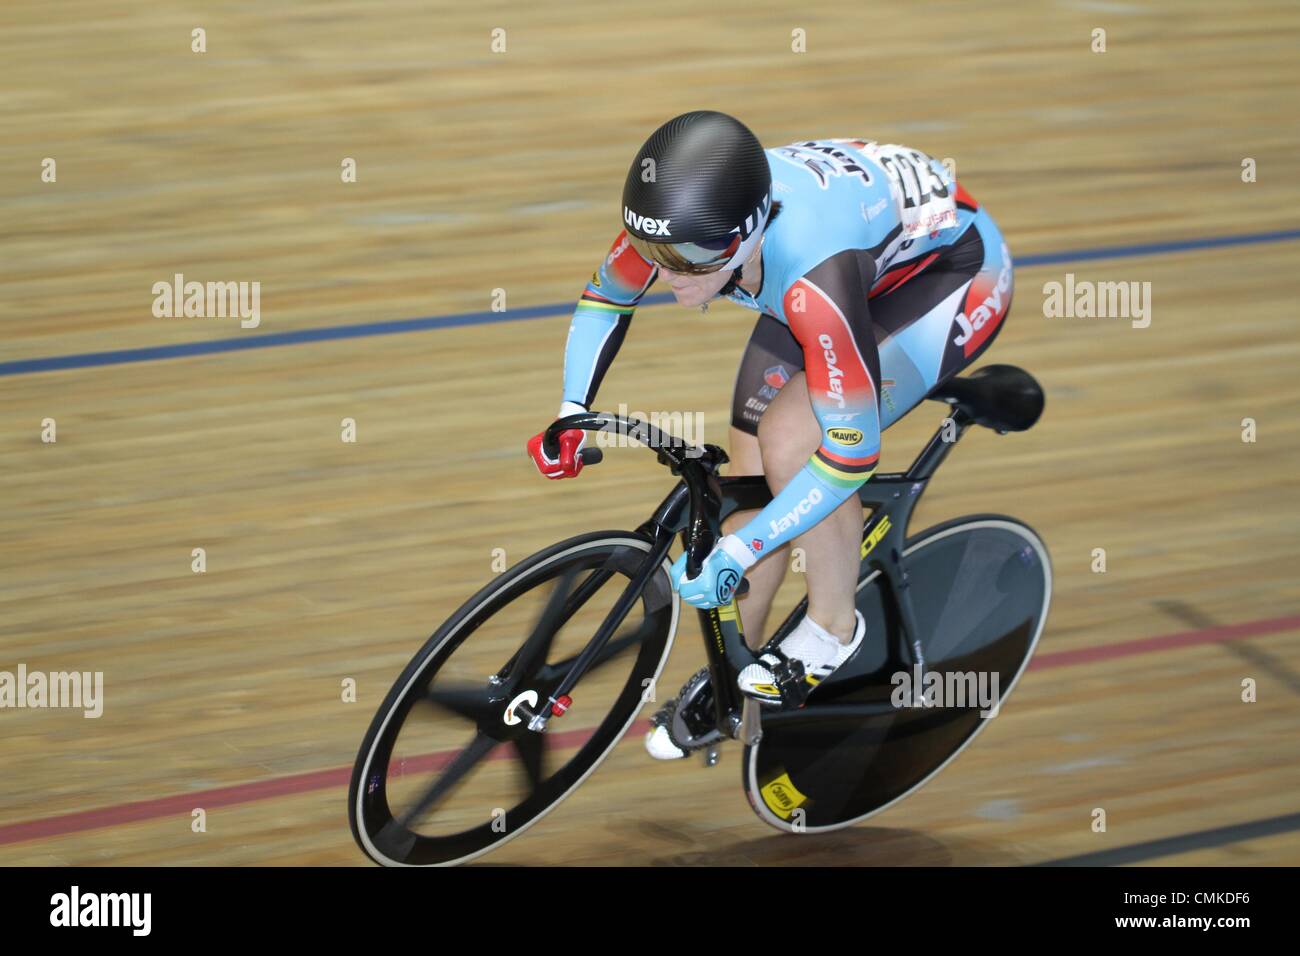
{"x": 686, "y": 723}
{"x": 659, "y": 745}
{"x": 820, "y": 652}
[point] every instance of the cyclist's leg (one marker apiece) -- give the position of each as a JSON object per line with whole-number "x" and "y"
{"x": 765, "y": 577}
{"x": 929, "y": 324}
{"x": 789, "y": 434}
{"x": 770, "y": 359}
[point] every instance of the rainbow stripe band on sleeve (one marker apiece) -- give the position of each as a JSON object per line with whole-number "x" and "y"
{"x": 599, "y": 307}
{"x": 842, "y": 472}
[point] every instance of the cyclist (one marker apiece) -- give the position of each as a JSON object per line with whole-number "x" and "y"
{"x": 876, "y": 278}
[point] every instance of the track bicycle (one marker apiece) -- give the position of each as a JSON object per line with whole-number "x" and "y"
{"x": 521, "y": 694}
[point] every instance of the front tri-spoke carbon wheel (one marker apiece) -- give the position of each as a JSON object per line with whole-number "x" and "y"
{"x": 448, "y": 770}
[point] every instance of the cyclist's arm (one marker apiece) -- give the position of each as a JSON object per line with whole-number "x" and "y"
{"x": 828, "y": 314}
{"x": 601, "y": 319}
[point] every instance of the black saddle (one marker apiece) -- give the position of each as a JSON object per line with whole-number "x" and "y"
{"x": 1001, "y": 397}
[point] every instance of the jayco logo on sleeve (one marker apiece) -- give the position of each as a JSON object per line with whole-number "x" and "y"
{"x": 134, "y": 910}
{"x": 617, "y": 251}
{"x": 791, "y": 518}
{"x": 835, "y": 391}
{"x": 646, "y": 224}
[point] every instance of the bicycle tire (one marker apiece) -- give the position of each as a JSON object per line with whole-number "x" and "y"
{"x": 371, "y": 819}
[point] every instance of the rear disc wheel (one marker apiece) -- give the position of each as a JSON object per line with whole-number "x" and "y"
{"x": 981, "y": 587}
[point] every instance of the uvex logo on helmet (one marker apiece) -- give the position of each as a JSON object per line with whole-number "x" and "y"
{"x": 755, "y": 219}
{"x": 646, "y": 224}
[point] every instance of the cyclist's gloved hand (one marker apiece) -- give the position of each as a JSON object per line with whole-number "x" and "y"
{"x": 571, "y": 442}
{"x": 719, "y": 575}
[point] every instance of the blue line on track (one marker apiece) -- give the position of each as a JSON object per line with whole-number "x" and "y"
{"x": 1183, "y": 843}
{"x": 155, "y": 353}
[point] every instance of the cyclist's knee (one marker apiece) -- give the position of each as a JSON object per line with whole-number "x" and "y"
{"x": 781, "y": 462}
{"x": 786, "y": 449}
{"x": 746, "y": 458}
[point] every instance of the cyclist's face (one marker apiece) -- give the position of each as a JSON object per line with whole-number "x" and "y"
{"x": 693, "y": 290}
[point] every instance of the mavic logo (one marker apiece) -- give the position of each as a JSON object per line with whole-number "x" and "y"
{"x": 782, "y": 796}
{"x": 646, "y": 224}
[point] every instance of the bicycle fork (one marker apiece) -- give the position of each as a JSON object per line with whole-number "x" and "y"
{"x": 559, "y": 701}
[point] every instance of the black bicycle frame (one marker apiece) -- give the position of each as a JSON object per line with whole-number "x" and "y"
{"x": 695, "y": 509}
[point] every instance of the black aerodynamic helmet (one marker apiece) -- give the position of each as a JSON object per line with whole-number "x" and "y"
{"x": 698, "y": 194}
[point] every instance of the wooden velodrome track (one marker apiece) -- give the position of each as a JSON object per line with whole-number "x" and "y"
{"x": 480, "y": 171}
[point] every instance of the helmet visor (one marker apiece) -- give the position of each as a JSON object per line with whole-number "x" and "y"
{"x": 690, "y": 258}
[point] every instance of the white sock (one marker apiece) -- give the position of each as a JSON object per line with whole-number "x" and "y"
{"x": 811, "y": 643}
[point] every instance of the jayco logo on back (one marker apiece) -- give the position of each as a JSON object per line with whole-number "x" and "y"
{"x": 646, "y": 224}
{"x": 989, "y": 307}
{"x": 791, "y": 518}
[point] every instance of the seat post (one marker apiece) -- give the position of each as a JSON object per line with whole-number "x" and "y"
{"x": 936, "y": 450}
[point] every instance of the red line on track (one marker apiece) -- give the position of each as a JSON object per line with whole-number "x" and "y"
{"x": 182, "y": 804}
{"x": 1147, "y": 645}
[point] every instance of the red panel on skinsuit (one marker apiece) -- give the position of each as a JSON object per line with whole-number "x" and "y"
{"x": 837, "y": 377}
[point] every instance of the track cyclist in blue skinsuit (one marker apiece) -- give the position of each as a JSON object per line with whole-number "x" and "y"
{"x": 875, "y": 277}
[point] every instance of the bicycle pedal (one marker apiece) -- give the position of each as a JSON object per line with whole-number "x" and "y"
{"x": 791, "y": 679}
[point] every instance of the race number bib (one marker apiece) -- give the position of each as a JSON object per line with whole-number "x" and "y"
{"x": 921, "y": 187}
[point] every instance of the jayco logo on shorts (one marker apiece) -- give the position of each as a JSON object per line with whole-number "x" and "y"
{"x": 791, "y": 518}
{"x": 134, "y": 910}
{"x": 651, "y": 227}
